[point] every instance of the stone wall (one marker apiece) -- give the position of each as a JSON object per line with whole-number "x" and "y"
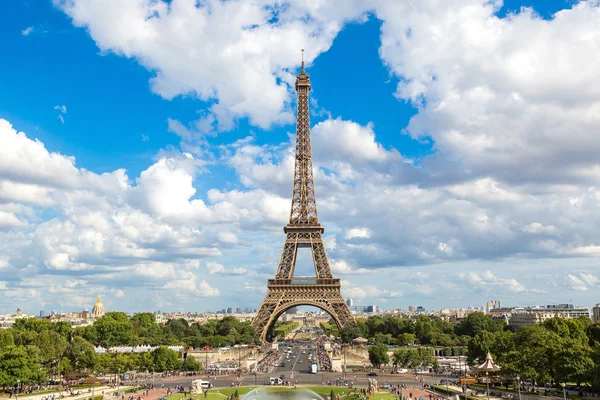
{"x": 221, "y": 356}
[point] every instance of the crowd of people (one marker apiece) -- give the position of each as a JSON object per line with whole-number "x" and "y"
{"x": 323, "y": 356}
{"x": 268, "y": 363}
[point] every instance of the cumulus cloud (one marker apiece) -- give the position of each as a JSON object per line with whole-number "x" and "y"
{"x": 582, "y": 282}
{"x": 358, "y": 233}
{"x": 352, "y": 290}
{"x": 513, "y": 176}
{"x": 488, "y": 279}
{"x": 210, "y": 54}
{"x": 214, "y": 268}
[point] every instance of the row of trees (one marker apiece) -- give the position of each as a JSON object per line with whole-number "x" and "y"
{"x": 424, "y": 330}
{"x": 282, "y": 329}
{"x": 402, "y": 357}
{"x": 116, "y": 329}
{"x": 559, "y": 350}
{"x": 33, "y": 349}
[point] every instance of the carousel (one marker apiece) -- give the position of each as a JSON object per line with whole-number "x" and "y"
{"x": 487, "y": 371}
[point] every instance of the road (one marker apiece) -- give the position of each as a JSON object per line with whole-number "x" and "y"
{"x": 301, "y": 375}
{"x": 297, "y": 363}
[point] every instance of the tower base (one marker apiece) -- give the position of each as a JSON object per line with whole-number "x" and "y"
{"x": 283, "y": 294}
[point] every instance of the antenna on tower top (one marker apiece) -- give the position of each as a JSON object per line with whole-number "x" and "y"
{"x": 302, "y": 60}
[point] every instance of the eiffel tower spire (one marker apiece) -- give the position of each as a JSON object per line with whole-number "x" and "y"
{"x": 303, "y": 230}
{"x": 304, "y": 201}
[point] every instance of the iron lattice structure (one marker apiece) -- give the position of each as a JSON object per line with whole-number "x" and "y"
{"x": 303, "y": 230}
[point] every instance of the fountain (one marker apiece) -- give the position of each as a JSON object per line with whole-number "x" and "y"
{"x": 292, "y": 394}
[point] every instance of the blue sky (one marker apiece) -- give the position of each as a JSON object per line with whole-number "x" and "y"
{"x": 447, "y": 160}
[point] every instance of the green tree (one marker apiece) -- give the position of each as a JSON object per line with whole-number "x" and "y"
{"x": 89, "y": 333}
{"x": 406, "y": 339}
{"x": 384, "y": 338}
{"x": 477, "y": 322}
{"x": 190, "y": 364}
{"x": 81, "y": 354}
{"x": 378, "y": 355}
{"x": 165, "y": 359}
{"x": 592, "y": 332}
{"x": 146, "y": 330}
{"x": 403, "y": 357}
{"x": 20, "y": 363}
{"x": 354, "y": 331}
{"x": 52, "y": 346}
{"x": 114, "y": 329}
{"x": 6, "y": 339}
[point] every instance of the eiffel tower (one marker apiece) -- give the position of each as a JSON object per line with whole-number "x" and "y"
{"x": 303, "y": 230}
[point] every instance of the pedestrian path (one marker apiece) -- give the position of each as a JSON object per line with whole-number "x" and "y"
{"x": 84, "y": 394}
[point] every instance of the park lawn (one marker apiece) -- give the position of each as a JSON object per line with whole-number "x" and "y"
{"x": 222, "y": 393}
{"x": 54, "y": 390}
{"x": 347, "y": 394}
{"x": 214, "y": 394}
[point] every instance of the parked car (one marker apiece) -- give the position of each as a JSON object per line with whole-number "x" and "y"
{"x": 372, "y": 374}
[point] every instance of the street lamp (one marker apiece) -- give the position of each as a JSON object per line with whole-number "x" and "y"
{"x": 519, "y": 386}
{"x": 487, "y": 381}
{"x": 18, "y": 386}
{"x": 564, "y": 386}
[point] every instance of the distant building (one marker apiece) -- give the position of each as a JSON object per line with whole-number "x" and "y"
{"x": 293, "y": 310}
{"x": 570, "y": 309}
{"x": 238, "y": 310}
{"x": 229, "y": 310}
{"x": 18, "y": 313}
{"x": 420, "y": 309}
{"x": 492, "y": 305}
{"x": 350, "y": 302}
{"x": 98, "y": 310}
{"x": 41, "y": 313}
{"x": 412, "y": 308}
{"x": 596, "y": 313}
{"x": 526, "y": 317}
{"x": 371, "y": 309}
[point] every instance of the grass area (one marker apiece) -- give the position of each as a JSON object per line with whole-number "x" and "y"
{"x": 345, "y": 393}
{"x": 59, "y": 390}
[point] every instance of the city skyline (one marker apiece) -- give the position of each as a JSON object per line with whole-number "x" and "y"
{"x": 153, "y": 165}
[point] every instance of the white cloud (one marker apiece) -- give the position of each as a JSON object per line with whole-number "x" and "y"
{"x": 487, "y": 279}
{"x": 62, "y": 110}
{"x": 582, "y": 282}
{"x": 214, "y": 268}
{"x": 27, "y": 31}
{"x": 367, "y": 291}
{"x": 501, "y": 105}
{"x": 358, "y": 233}
{"x": 209, "y": 53}
{"x": 335, "y": 140}
{"x": 514, "y": 174}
